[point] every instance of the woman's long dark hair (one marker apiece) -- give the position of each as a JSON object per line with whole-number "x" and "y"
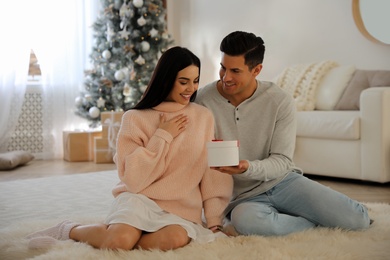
{"x": 160, "y": 85}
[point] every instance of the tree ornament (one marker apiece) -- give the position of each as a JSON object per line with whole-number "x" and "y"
{"x": 162, "y": 18}
{"x": 141, "y": 21}
{"x": 153, "y": 32}
{"x": 165, "y": 35}
{"x": 119, "y": 75}
{"x": 140, "y": 60}
{"x": 138, "y": 3}
{"x": 124, "y": 10}
{"x": 128, "y": 48}
{"x": 88, "y": 97}
{"x": 143, "y": 88}
{"x": 106, "y": 82}
{"x": 136, "y": 33}
{"x": 145, "y": 46}
{"x": 126, "y": 90}
{"x": 153, "y": 8}
{"x": 100, "y": 102}
{"x": 108, "y": 10}
{"x": 106, "y": 54}
{"x": 110, "y": 33}
{"x": 94, "y": 112}
{"x": 124, "y": 33}
{"x": 78, "y": 101}
{"x": 117, "y": 4}
{"x": 128, "y": 99}
{"x": 132, "y": 74}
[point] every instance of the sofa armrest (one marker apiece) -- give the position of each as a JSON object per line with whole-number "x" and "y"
{"x": 375, "y": 133}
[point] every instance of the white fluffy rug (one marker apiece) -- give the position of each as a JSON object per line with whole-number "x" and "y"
{"x": 30, "y": 205}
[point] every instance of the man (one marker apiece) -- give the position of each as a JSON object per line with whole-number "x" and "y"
{"x": 271, "y": 196}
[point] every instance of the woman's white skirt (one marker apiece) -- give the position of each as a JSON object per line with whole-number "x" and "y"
{"x": 139, "y": 211}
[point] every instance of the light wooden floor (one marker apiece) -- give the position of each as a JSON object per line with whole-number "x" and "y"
{"x": 358, "y": 190}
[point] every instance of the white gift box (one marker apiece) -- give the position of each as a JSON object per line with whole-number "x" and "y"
{"x": 223, "y": 153}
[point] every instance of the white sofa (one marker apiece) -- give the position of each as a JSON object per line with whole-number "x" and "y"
{"x": 347, "y": 144}
{"x": 347, "y": 134}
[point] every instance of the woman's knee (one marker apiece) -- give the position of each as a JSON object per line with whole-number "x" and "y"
{"x": 122, "y": 241}
{"x": 176, "y": 239}
{"x": 121, "y": 238}
{"x": 166, "y": 238}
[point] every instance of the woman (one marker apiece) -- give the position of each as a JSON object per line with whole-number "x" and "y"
{"x": 162, "y": 164}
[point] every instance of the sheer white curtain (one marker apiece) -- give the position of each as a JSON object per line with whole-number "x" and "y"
{"x": 59, "y": 32}
{"x": 14, "y": 63}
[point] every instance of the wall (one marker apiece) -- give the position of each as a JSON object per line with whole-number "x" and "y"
{"x": 299, "y": 31}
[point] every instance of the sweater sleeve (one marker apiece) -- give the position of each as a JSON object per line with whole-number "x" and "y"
{"x": 140, "y": 160}
{"x": 216, "y": 189}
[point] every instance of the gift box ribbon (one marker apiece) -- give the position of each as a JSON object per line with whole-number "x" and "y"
{"x": 113, "y": 129}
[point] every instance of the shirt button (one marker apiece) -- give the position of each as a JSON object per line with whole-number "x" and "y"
{"x": 237, "y": 118}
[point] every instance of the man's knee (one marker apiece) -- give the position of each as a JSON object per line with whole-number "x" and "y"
{"x": 249, "y": 219}
{"x": 256, "y": 219}
{"x": 356, "y": 222}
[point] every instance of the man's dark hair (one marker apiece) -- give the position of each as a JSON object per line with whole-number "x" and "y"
{"x": 243, "y": 43}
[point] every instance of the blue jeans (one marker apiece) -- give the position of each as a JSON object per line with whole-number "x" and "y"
{"x": 295, "y": 204}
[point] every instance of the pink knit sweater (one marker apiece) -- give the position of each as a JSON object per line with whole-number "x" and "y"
{"x": 173, "y": 172}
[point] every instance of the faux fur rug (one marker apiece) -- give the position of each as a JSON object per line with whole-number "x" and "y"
{"x": 30, "y": 205}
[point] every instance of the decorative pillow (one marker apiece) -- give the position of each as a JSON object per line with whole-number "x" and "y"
{"x": 302, "y": 81}
{"x": 362, "y": 79}
{"x": 332, "y": 87}
{"x": 10, "y": 160}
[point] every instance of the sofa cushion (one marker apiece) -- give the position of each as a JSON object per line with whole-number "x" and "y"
{"x": 302, "y": 81}
{"x": 362, "y": 79}
{"x": 332, "y": 87}
{"x": 337, "y": 125}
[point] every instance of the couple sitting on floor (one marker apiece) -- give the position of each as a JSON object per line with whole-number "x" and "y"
{"x": 165, "y": 181}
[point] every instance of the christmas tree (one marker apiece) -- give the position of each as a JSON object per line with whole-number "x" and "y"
{"x": 129, "y": 36}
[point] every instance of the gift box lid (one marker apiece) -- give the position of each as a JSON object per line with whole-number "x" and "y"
{"x": 221, "y": 144}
